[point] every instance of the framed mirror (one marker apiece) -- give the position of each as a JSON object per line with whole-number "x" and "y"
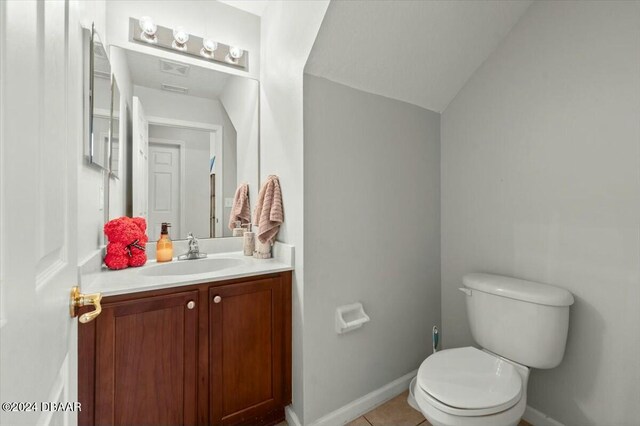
{"x": 114, "y": 133}
{"x": 98, "y": 97}
{"x": 194, "y": 140}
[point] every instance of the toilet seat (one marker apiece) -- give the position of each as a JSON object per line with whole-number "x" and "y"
{"x": 469, "y": 382}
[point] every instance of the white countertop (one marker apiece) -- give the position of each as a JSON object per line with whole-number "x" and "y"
{"x": 133, "y": 280}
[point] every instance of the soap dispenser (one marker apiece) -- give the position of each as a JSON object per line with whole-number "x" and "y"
{"x": 238, "y": 231}
{"x": 249, "y": 245}
{"x": 164, "y": 246}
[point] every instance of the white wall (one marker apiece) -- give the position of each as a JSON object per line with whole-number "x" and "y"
{"x": 240, "y": 99}
{"x": 91, "y": 179}
{"x": 162, "y": 104}
{"x": 92, "y": 182}
{"x": 287, "y": 35}
{"x": 93, "y": 12}
{"x": 372, "y": 235}
{"x": 541, "y": 180}
{"x": 223, "y": 23}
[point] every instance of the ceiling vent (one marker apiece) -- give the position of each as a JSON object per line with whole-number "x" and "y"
{"x": 175, "y": 68}
{"x": 174, "y": 89}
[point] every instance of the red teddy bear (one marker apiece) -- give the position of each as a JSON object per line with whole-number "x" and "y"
{"x": 127, "y": 240}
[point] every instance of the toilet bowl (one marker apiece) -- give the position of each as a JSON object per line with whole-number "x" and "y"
{"x": 467, "y": 386}
{"x": 520, "y": 325}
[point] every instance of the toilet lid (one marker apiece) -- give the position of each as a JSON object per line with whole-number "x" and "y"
{"x": 470, "y": 379}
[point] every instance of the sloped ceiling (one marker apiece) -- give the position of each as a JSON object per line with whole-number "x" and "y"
{"x": 255, "y": 7}
{"x": 420, "y": 52}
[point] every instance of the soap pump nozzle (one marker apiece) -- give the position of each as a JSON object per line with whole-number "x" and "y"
{"x": 165, "y": 230}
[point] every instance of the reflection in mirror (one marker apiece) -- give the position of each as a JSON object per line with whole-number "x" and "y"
{"x": 114, "y": 142}
{"x": 194, "y": 140}
{"x": 100, "y": 102}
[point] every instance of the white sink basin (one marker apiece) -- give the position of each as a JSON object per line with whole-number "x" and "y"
{"x": 190, "y": 267}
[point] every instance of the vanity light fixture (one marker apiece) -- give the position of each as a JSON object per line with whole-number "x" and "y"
{"x": 180, "y": 38}
{"x": 208, "y": 48}
{"x": 149, "y": 29}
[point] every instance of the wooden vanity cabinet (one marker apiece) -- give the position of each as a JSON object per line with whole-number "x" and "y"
{"x": 245, "y": 347}
{"x": 146, "y": 361}
{"x": 214, "y": 353}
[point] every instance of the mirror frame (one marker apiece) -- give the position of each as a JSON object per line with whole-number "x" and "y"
{"x": 90, "y": 97}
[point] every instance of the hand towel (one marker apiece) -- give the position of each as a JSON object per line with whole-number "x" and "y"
{"x": 240, "y": 210}
{"x": 269, "y": 215}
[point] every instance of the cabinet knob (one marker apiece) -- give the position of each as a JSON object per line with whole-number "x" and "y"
{"x": 217, "y": 299}
{"x": 191, "y": 304}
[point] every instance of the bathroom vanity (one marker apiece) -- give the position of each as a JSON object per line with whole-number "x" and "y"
{"x": 204, "y": 341}
{"x": 214, "y": 351}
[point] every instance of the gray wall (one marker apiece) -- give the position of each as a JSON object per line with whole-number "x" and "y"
{"x": 540, "y": 180}
{"x": 371, "y": 234}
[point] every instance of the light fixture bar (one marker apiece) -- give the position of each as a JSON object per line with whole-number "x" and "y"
{"x": 164, "y": 39}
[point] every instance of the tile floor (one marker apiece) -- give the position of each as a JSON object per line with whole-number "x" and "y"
{"x": 395, "y": 412}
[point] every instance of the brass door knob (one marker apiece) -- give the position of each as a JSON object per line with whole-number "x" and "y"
{"x": 78, "y": 300}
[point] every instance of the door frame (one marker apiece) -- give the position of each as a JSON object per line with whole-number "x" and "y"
{"x": 215, "y": 131}
{"x": 183, "y": 186}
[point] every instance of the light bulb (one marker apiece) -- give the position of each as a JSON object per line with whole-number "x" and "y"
{"x": 148, "y": 28}
{"x": 180, "y": 35}
{"x": 147, "y": 25}
{"x": 208, "y": 48}
{"x": 235, "y": 52}
{"x": 209, "y": 45}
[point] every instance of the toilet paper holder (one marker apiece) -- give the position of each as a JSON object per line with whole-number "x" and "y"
{"x": 350, "y": 317}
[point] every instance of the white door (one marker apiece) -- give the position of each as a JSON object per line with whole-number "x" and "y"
{"x": 164, "y": 189}
{"x": 140, "y": 165}
{"x": 40, "y": 139}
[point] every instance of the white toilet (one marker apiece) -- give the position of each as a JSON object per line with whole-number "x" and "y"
{"x": 520, "y": 325}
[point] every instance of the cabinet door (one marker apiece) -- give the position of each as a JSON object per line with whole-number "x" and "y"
{"x": 245, "y": 349}
{"x": 146, "y": 362}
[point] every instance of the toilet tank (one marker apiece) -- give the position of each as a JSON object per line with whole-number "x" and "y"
{"x": 524, "y": 321}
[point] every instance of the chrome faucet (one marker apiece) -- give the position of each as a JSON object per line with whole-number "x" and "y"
{"x": 194, "y": 249}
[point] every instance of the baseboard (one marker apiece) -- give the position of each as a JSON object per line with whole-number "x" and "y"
{"x": 291, "y": 417}
{"x": 362, "y": 405}
{"x": 538, "y": 418}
